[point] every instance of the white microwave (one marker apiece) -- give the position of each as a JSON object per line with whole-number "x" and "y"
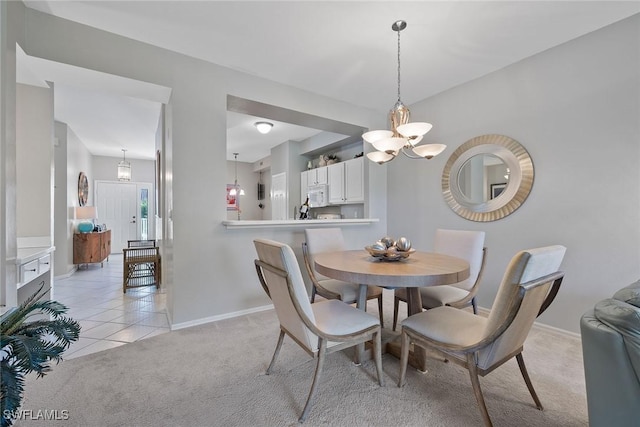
{"x": 318, "y": 196}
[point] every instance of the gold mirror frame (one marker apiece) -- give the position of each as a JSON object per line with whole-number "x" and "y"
{"x": 518, "y": 188}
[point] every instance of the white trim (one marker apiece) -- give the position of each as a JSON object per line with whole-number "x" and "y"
{"x": 177, "y": 326}
{"x": 485, "y": 312}
{"x": 556, "y": 330}
{"x": 67, "y": 275}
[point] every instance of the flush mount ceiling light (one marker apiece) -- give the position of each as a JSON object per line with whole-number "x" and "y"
{"x": 124, "y": 168}
{"x": 403, "y": 135}
{"x": 263, "y": 127}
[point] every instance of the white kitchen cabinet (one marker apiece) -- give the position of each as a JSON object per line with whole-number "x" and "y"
{"x": 336, "y": 183}
{"x": 310, "y": 178}
{"x": 354, "y": 180}
{"x": 316, "y": 176}
{"x": 346, "y": 182}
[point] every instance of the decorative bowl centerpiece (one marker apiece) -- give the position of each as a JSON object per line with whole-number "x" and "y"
{"x": 387, "y": 249}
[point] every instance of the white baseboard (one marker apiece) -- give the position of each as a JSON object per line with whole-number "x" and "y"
{"x": 538, "y": 325}
{"x": 67, "y": 275}
{"x": 481, "y": 310}
{"x": 175, "y": 327}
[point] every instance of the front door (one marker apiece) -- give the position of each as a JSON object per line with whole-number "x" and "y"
{"x": 118, "y": 210}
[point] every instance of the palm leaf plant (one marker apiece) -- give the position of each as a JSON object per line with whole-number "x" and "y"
{"x": 31, "y": 336}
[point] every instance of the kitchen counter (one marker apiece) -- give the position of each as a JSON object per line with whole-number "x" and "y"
{"x": 302, "y": 223}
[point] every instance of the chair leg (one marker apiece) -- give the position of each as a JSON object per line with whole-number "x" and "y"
{"x": 313, "y": 294}
{"x": 124, "y": 279}
{"x": 275, "y": 354}
{"x": 377, "y": 354}
{"x": 316, "y": 379}
{"x": 475, "y": 382}
{"x": 380, "y": 310}
{"x": 396, "y": 304}
{"x": 474, "y": 304}
{"x": 525, "y": 375}
{"x": 404, "y": 358}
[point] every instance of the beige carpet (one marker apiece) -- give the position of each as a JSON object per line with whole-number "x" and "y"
{"x": 213, "y": 375}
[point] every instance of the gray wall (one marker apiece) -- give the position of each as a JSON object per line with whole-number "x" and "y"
{"x": 202, "y": 281}
{"x": 575, "y": 108}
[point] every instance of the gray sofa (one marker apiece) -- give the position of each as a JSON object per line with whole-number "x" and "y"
{"x": 611, "y": 351}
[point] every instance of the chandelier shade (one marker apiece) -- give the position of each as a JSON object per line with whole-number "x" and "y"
{"x": 429, "y": 150}
{"x": 389, "y": 145}
{"x": 404, "y": 135}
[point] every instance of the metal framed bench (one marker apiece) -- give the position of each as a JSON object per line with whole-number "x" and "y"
{"x": 141, "y": 267}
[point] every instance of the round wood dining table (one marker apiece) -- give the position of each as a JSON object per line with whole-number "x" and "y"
{"x": 418, "y": 270}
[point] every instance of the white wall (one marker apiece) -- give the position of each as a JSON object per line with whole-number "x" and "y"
{"x": 34, "y": 161}
{"x": 204, "y": 281}
{"x": 575, "y": 108}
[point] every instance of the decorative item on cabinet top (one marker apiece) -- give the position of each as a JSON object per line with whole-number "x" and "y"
{"x": 87, "y": 214}
{"x": 328, "y": 159}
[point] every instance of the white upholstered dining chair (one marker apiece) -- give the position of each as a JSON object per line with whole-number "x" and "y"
{"x": 319, "y": 328}
{"x": 468, "y": 245}
{"x": 481, "y": 344}
{"x": 326, "y": 240}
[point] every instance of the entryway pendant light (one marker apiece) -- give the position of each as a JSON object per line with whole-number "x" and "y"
{"x": 124, "y": 168}
{"x": 403, "y": 135}
{"x": 236, "y": 188}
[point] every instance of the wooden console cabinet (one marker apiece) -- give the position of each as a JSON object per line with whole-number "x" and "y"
{"x": 91, "y": 247}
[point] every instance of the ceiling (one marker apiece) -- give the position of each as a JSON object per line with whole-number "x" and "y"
{"x": 343, "y": 50}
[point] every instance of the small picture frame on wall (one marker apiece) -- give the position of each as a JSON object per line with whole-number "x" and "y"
{"x": 232, "y": 200}
{"x": 497, "y": 189}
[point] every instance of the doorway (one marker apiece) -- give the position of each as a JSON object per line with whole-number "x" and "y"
{"x": 124, "y": 208}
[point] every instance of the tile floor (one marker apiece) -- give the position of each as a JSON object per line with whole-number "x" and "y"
{"x": 109, "y": 317}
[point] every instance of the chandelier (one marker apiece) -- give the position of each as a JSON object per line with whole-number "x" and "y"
{"x": 124, "y": 168}
{"x": 403, "y": 136}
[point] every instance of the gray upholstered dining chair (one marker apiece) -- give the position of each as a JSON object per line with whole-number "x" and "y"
{"x": 481, "y": 344}
{"x": 326, "y": 240}
{"x": 464, "y": 244}
{"x": 319, "y": 328}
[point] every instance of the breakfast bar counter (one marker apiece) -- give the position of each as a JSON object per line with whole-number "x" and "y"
{"x": 301, "y": 223}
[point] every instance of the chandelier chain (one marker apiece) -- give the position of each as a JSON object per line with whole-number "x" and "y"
{"x": 399, "y": 66}
{"x": 404, "y": 135}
